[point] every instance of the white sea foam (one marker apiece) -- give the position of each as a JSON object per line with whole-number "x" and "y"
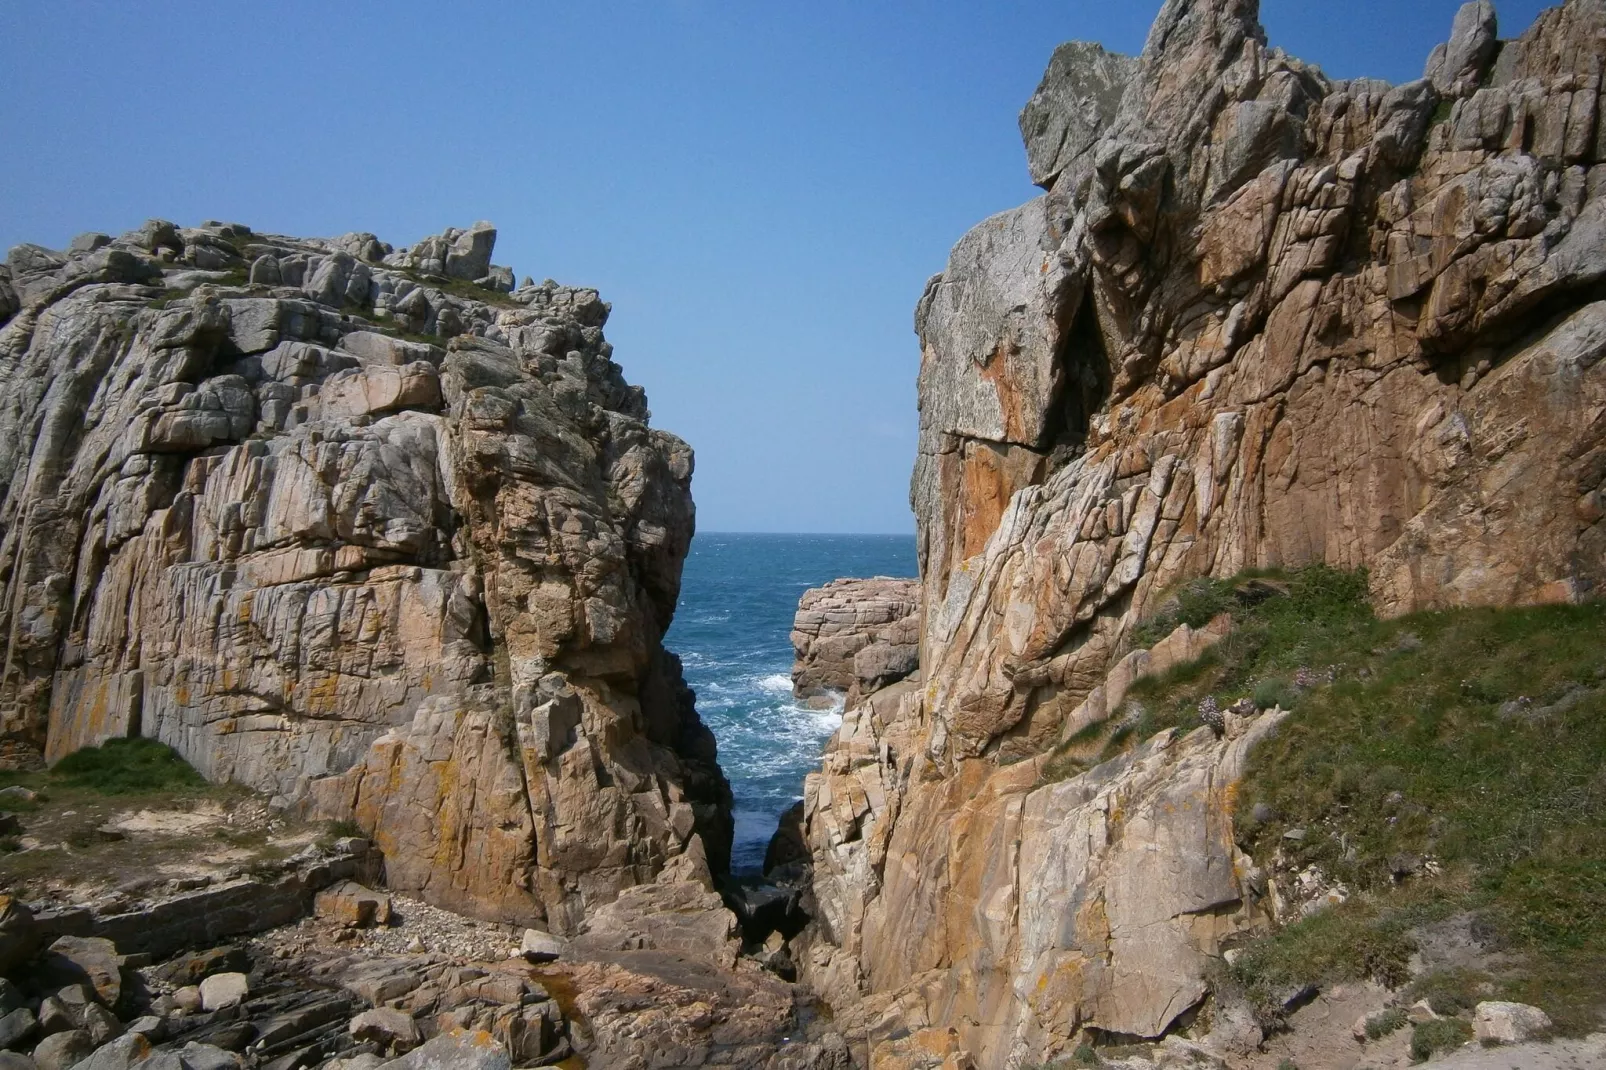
{"x": 776, "y": 682}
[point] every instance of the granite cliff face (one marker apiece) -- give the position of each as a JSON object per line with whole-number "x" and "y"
{"x": 1259, "y": 318}
{"x": 369, "y": 530}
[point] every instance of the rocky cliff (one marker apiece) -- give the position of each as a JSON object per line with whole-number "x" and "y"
{"x": 1259, "y": 318}
{"x": 367, "y": 529}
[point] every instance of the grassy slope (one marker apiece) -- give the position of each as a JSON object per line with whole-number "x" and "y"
{"x": 1439, "y": 763}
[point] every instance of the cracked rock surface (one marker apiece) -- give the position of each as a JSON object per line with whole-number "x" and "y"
{"x": 368, "y": 530}
{"x": 1259, "y": 318}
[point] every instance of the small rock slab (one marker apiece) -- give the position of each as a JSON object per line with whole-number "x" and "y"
{"x": 538, "y": 946}
{"x": 460, "y": 1049}
{"x": 353, "y": 905}
{"x": 387, "y": 1027}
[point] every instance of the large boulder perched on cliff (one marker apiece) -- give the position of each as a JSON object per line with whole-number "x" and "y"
{"x": 373, "y": 545}
{"x": 851, "y": 637}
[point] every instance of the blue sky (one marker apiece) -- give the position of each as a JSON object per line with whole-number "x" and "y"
{"x": 760, "y": 189}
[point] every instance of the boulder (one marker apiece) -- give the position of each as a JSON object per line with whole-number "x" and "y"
{"x": 459, "y": 1049}
{"x": 538, "y": 946}
{"x": 352, "y": 905}
{"x": 191, "y": 968}
{"x": 18, "y": 1028}
{"x": 469, "y": 256}
{"x": 90, "y": 960}
{"x": 224, "y": 990}
{"x": 101, "y": 1024}
{"x": 11, "y": 996}
{"x": 187, "y": 999}
{"x": 1500, "y": 1022}
{"x": 19, "y": 939}
{"x": 391, "y": 1029}
{"x": 60, "y": 1051}
{"x": 15, "y": 1060}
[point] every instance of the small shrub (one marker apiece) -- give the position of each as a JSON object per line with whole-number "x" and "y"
{"x": 343, "y": 829}
{"x": 1345, "y": 943}
{"x": 1439, "y": 1034}
{"x": 1379, "y": 1026}
{"x": 9, "y": 845}
{"x": 1275, "y": 691}
{"x": 128, "y": 766}
{"x": 1288, "y": 1064}
{"x": 1084, "y": 1055}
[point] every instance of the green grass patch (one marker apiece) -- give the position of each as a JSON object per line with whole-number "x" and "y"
{"x": 1388, "y": 1021}
{"x": 127, "y": 767}
{"x": 1436, "y": 1035}
{"x": 1439, "y": 763}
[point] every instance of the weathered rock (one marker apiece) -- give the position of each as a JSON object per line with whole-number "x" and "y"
{"x": 224, "y": 990}
{"x": 15, "y": 1060}
{"x": 120, "y": 1054}
{"x": 1500, "y": 1022}
{"x": 391, "y": 1029}
{"x": 537, "y": 946}
{"x": 101, "y": 1024}
{"x": 422, "y": 587}
{"x": 18, "y": 938}
{"x": 682, "y": 916}
{"x": 1075, "y": 101}
{"x": 855, "y": 636}
{"x": 352, "y": 905}
{"x": 1261, "y": 318}
{"x": 18, "y": 1028}
{"x": 87, "y": 960}
{"x": 459, "y": 1049}
{"x": 11, "y": 997}
{"x": 59, "y": 1051}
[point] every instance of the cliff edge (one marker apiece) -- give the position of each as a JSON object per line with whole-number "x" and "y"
{"x": 369, "y": 530}
{"x": 1260, "y": 318}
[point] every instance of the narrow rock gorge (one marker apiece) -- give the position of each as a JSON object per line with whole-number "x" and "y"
{"x": 368, "y": 530}
{"x": 1259, "y": 318}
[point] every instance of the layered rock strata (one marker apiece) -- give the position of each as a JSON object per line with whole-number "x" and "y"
{"x": 852, "y": 637}
{"x": 1260, "y": 317}
{"x": 365, "y": 529}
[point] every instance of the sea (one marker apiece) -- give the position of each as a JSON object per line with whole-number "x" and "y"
{"x": 732, "y": 630}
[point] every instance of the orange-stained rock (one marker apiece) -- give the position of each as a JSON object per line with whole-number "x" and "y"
{"x": 1261, "y": 318}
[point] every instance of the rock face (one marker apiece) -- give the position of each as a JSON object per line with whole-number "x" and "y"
{"x": 1260, "y": 318}
{"x": 339, "y": 526}
{"x": 851, "y": 637}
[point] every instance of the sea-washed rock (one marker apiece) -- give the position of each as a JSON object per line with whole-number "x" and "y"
{"x": 851, "y": 637}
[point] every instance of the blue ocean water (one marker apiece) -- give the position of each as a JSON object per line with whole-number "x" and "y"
{"x": 732, "y": 631}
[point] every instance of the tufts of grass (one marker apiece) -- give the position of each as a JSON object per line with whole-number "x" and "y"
{"x": 1445, "y": 762}
{"x": 1389, "y": 1021}
{"x": 1351, "y": 941}
{"x": 127, "y": 767}
{"x": 1449, "y": 992}
{"x": 1436, "y": 1035}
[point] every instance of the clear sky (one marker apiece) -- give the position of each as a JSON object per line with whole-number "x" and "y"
{"x": 761, "y": 189}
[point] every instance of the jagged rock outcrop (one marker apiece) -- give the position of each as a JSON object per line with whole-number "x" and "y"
{"x": 339, "y": 525}
{"x": 852, "y": 637}
{"x": 1259, "y": 318}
